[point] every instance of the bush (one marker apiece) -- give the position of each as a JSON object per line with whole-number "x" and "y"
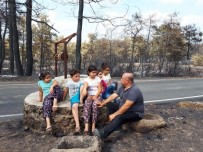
{"x": 197, "y": 60}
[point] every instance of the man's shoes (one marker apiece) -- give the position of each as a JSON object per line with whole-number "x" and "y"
{"x": 124, "y": 127}
{"x": 96, "y": 133}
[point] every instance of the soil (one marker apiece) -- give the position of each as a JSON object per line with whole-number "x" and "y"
{"x": 183, "y": 133}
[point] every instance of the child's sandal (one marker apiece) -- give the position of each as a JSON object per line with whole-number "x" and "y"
{"x": 85, "y": 133}
{"x": 77, "y": 131}
{"x": 49, "y": 129}
{"x": 55, "y": 108}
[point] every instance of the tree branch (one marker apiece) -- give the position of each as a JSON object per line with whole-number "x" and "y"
{"x": 45, "y": 24}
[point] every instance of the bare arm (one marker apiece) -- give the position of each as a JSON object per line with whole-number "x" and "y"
{"x": 55, "y": 83}
{"x": 121, "y": 110}
{"x": 109, "y": 99}
{"x": 40, "y": 94}
{"x": 98, "y": 92}
{"x": 83, "y": 92}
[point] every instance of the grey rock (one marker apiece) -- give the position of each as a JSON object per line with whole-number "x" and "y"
{"x": 148, "y": 123}
{"x": 78, "y": 144}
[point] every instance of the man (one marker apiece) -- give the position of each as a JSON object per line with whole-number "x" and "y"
{"x": 129, "y": 108}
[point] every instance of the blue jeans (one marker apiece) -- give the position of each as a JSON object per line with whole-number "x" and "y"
{"x": 118, "y": 121}
{"x": 109, "y": 90}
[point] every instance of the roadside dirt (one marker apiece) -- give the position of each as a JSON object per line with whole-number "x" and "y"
{"x": 183, "y": 133}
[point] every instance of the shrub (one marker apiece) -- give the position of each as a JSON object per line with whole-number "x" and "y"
{"x": 197, "y": 60}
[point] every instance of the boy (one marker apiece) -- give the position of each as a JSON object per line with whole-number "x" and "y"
{"x": 73, "y": 87}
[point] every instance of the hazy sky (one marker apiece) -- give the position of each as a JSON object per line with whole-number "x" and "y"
{"x": 189, "y": 12}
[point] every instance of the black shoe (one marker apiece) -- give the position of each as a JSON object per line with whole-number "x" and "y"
{"x": 96, "y": 133}
{"x": 77, "y": 131}
{"x": 91, "y": 133}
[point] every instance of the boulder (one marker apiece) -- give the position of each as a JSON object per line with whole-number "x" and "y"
{"x": 148, "y": 123}
{"x": 62, "y": 120}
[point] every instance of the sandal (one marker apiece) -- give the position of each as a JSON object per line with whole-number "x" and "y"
{"x": 77, "y": 131}
{"x": 49, "y": 129}
{"x": 85, "y": 133}
{"x": 54, "y": 108}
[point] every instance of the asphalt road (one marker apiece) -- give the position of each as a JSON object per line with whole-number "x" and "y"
{"x": 12, "y": 95}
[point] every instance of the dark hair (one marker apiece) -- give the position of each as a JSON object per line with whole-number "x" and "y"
{"x": 104, "y": 66}
{"x": 91, "y": 68}
{"x": 100, "y": 70}
{"x": 43, "y": 75}
{"x": 131, "y": 79}
{"x": 73, "y": 72}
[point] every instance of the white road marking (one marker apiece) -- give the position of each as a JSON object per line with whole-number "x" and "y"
{"x": 18, "y": 96}
{"x": 163, "y": 100}
{"x": 173, "y": 88}
{"x": 11, "y": 115}
{"x": 17, "y": 84}
{"x": 169, "y": 79}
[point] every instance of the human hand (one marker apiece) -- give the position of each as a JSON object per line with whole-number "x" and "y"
{"x": 94, "y": 98}
{"x": 89, "y": 98}
{"x": 51, "y": 89}
{"x": 99, "y": 103}
{"x": 111, "y": 117}
{"x": 81, "y": 104}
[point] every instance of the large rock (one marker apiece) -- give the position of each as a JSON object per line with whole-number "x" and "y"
{"x": 190, "y": 104}
{"x": 148, "y": 123}
{"x": 78, "y": 144}
{"x": 62, "y": 120}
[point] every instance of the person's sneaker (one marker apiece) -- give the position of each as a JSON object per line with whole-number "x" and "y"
{"x": 96, "y": 133}
{"x": 124, "y": 128}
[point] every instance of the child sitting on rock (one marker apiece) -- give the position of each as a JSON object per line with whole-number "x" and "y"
{"x": 51, "y": 93}
{"x": 73, "y": 87}
{"x": 104, "y": 85}
{"x": 93, "y": 87}
{"x": 111, "y": 86}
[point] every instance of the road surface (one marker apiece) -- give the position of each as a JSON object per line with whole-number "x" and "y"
{"x": 12, "y": 95}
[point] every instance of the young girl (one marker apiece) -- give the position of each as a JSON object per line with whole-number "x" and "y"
{"x": 73, "y": 87}
{"x": 51, "y": 93}
{"x": 94, "y": 88}
{"x": 104, "y": 85}
{"x": 111, "y": 86}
